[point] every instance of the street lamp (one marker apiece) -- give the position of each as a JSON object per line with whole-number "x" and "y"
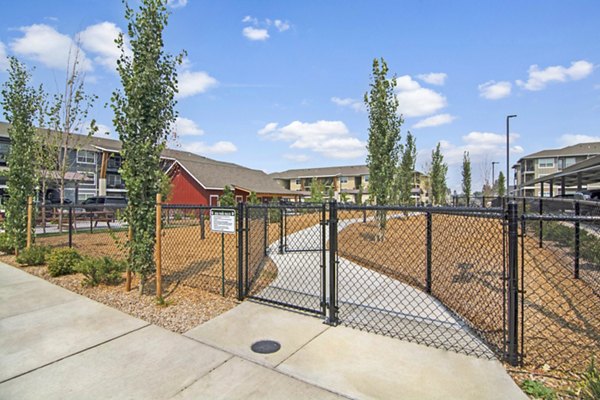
{"x": 508, "y": 117}
{"x": 493, "y": 164}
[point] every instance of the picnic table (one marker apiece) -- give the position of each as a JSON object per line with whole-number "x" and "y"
{"x": 93, "y": 216}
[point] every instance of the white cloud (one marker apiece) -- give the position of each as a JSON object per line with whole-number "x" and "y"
{"x": 255, "y": 33}
{"x": 3, "y": 58}
{"x": 103, "y": 130}
{"x": 493, "y": 90}
{"x": 348, "y": 102}
{"x": 539, "y": 78}
{"x": 436, "y": 120}
{"x": 177, "y": 3}
{"x": 100, "y": 40}
{"x": 281, "y": 25}
{"x": 328, "y": 138}
{"x": 250, "y": 19}
{"x": 192, "y": 83}
{"x": 433, "y": 78}
{"x": 187, "y": 127}
{"x": 416, "y": 101}
{"x": 571, "y": 139}
{"x": 296, "y": 157}
{"x": 44, "y": 44}
{"x": 479, "y": 145}
{"x": 221, "y": 147}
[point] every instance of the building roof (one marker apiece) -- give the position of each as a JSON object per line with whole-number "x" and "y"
{"x": 218, "y": 175}
{"x": 346, "y": 170}
{"x": 210, "y": 173}
{"x": 580, "y": 149}
{"x": 584, "y": 172}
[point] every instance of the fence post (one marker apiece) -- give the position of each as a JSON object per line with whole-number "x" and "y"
{"x": 513, "y": 283}
{"x": 332, "y": 318}
{"x": 29, "y": 218}
{"x": 324, "y": 258}
{"x": 541, "y": 223}
{"x": 157, "y": 252}
{"x": 428, "y": 266}
{"x": 71, "y": 226}
{"x": 128, "y": 275}
{"x": 202, "y": 233}
{"x": 240, "y": 233}
{"x": 577, "y": 240}
{"x": 281, "y": 229}
{"x": 266, "y": 231}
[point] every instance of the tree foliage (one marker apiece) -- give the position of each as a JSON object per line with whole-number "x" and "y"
{"x": 227, "y": 198}
{"x": 253, "y": 199}
{"x": 384, "y": 133}
{"x": 21, "y": 104}
{"x": 317, "y": 190}
{"x": 437, "y": 175}
{"x": 466, "y": 175}
{"x": 143, "y": 117}
{"x": 501, "y": 185}
{"x": 406, "y": 170}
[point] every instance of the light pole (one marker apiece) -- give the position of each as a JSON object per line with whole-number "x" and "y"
{"x": 493, "y": 164}
{"x": 508, "y": 117}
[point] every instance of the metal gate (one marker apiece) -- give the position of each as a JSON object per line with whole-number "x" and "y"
{"x": 285, "y": 256}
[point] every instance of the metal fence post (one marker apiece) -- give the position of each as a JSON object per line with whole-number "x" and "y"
{"x": 513, "y": 283}
{"x": 324, "y": 258}
{"x": 240, "y": 233}
{"x": 266, "y": 231}
{"x": 202, "y": 233}
{"x": 541, "y": 223}
{"x": 577, "y": 240}
{"x": 71, "y": 226}
{"x": 332, "y": 318}
{"x": 280, "y": 229}
{"x": 428, "y": 266}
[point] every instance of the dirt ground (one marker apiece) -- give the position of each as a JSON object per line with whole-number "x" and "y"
{"x": 561, "y": 314}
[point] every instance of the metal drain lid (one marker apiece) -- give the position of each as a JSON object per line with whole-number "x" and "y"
{"x": 265, "y": 346}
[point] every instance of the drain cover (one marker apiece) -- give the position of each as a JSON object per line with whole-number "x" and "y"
{"x": 265, "y": 346}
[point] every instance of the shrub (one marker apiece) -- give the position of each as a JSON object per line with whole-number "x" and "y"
{"x": 101, "y": 270}
{"x": 35, "y": 255}
{"x": 62, "y": 261}
{"x": 538, "y": 390}
{"x": 590, "y": 385}
{"x": 6, "y": 245}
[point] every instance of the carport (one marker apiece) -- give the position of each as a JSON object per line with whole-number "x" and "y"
{"x": 583, "y": 173}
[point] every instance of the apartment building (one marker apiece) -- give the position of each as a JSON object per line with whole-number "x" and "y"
{"x": 548, "y": 162}
{"x": 346, "y": 183}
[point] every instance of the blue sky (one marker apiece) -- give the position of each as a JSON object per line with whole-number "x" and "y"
{"x": 275, "y": 85}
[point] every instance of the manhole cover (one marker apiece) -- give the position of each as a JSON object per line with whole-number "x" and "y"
{"x": 265, "y": 346}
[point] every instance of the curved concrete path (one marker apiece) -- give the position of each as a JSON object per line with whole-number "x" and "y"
{"x": 366, "y": 299}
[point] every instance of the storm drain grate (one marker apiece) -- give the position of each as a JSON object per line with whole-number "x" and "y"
{"x": 265, "y": 346}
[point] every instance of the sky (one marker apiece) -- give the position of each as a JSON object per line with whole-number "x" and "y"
{"x": 276, "y": 85}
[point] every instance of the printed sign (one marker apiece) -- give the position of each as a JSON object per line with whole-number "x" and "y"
{"x": 222, "y": 221}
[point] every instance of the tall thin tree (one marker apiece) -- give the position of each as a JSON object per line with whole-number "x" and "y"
{"x": 406, "y": 171}
{"x": 466, "y": 176}
{"x": 384, "y": 138}
{"x": 21, "y": 105}
{"x": 143, "y": 117}
{"x": 437, "y": 175}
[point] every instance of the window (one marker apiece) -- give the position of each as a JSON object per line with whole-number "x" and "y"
{"x": 297, "y": 181}
{"x": 4, "y": 148}
{"x": 566, "y": 162}
{"x": 366, "y": 178}
{"x": 239, "y": 199}
{"x": 86, "y": 157}
{"x": 89, "y": 180}
{"x": 114, "y": 162}
{"x": 343, "y": 179}
{"x": 214, "y": 200}
{"x": 546, "y": 163}
{"x": 114, "y": 180}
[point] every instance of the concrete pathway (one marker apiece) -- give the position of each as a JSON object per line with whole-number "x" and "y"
{"x": 366, "y": 298}
{"x": 55, "y": 344}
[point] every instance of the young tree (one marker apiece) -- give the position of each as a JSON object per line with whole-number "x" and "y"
{"x": 143, "y": 117}
{"x": 466, "y": 176}
{"x": 406, "y": 170}
{"x": 317, "y": 189}
{"x": 359, "y": 195}
{"x": 384, "y": 137}
{"x": 252, "y": 199}
{"x": 501, "y": 185}
{"x": 20, "y": 103}
{"x": 227, "y": 198}
{"x": 437, "y": 175}
{"x": 68, "y": 114}
{"x": 343, "y": 197}
{"x": 330, "y": 192}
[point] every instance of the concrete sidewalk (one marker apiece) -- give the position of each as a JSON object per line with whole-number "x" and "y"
{"x": 55, "y": 344}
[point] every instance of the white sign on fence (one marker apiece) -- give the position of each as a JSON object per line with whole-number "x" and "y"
{"x": 222, "y": 220}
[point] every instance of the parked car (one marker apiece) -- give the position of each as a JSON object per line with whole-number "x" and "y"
{"x": 97, "y": 202}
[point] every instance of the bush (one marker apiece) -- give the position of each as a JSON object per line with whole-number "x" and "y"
{"x": 538, "y": 390}
{"x": 101, "y": 270}
{"x": 6, "y": 245}
{"x": 62, "y": 261}
{"x": 35, "y": 255}
{"x": 590, "y": 385}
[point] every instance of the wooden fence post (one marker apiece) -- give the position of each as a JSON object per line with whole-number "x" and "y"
{"x": 128, "y": 276}
{"x": 157, "y": 252}
{"x": 29, "y": 218}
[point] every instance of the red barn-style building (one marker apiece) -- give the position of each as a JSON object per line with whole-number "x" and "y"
{"x": 201, "y": 181}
